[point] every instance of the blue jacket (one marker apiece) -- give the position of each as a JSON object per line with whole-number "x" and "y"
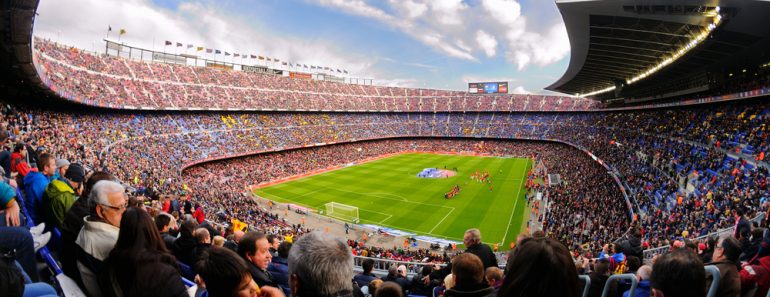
{"x": 34, "y": 187}
{"x": 7, "y": 195}
{"x": 279, "y": 268}
{"x": 642, "y": 289}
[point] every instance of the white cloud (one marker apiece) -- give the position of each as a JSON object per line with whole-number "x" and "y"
{"x": 487, "y": 42}
{"x": 409, "y": 8}
{"x": 462, "y": 31}
{"x": 520, "y": 90}
{"x": 83, "y": 23}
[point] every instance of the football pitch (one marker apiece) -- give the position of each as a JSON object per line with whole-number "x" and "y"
{"x": 388, "y": 193}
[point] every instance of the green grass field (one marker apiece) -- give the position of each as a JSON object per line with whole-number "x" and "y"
{"x": 388, "y": 193}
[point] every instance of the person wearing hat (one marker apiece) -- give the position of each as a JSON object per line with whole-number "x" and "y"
{"x": 62, "y": 193}
{"x": 61, "y": 167}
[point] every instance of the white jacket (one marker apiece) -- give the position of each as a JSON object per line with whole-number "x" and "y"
{"x": 97, "y": 240}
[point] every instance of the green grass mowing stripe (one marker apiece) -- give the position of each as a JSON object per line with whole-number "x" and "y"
{"x": 393, "y": 182}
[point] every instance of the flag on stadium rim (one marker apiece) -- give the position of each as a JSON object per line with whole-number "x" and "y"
{"x": 208, "y": 50}
{"x": 178, "y": 44}
{"x": 109, "y": 28}
{"x": 261, "y": 57}
{"x": 227, "y": 54}
{"x": 200, "y": 48}
{"x": 168, "y": 42}
{"x": 253, "y": 56}
{"x": 189, "y": 46}
{"x": 236, "y": 55}
{"x": 268, "y": 59}
{"x": 284, "y": 63}
{"x": 218, "y": 52}
{"x": 122, "y": 31}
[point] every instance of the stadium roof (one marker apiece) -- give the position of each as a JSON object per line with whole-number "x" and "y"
{"x": 617, "y": 42}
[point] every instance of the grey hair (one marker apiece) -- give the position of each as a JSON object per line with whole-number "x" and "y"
{"x": 474, "y": 235}
{"x": 101, "y": 190}
{"x": 323, "y": 263}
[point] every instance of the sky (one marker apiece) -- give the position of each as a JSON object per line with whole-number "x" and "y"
{"x": 441, "y": 44}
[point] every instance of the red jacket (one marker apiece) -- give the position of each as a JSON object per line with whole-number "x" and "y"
{"x": 198, "y": 215}
{"x": 758, "y": 275}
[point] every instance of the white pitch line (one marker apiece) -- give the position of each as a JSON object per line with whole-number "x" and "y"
{"x": 508, "y": 226}
{"x": 442, "y": 220}
{"x": 388, "y": 218}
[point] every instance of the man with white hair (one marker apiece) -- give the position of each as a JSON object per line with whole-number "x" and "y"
{"x": 473, "y": 245}
{"x": 320, "y": 265}
{"x": 106, "y": 203}
{"x": 643, "y": 287}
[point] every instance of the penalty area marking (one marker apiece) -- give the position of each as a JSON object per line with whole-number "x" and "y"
{"x": 442, "y": 220}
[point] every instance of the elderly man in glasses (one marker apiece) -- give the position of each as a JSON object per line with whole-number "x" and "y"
{"x": 106, "y": 203}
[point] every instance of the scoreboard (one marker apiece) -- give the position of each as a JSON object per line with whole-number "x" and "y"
{"x": 488, "y": 88}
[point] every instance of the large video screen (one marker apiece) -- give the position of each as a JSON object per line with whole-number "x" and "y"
{"x": 488, "y": 88}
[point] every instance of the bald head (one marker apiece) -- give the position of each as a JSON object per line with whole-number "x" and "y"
{"x": 237, "y": 235}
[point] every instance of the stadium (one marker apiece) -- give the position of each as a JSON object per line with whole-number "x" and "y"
{"x": 132, "y": 170}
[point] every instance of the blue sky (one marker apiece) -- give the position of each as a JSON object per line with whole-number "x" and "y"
{"x": 416, "y": 43}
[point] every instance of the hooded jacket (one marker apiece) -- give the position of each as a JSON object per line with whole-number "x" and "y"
{"x": 34, "y": 188}
{"x": 57, "y": 201}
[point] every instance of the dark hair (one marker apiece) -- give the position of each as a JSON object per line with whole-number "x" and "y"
{"x": 602, "y": 266}
{"x": 248, "y": 244}
{"x": 161, "y": 221}
{"x": 633, "y": 263}
{"x": 468, "y": 269}
{"x": 389, "y": 289}
{"x": 222, "y": 271}
{"x": 43, "y": 160}
{"x": 270, "y": 239}
{"x": 679, "y": 273}
{"x": 731, "y": 248}
{"x": 11, "y": 280}
{"x": 426, "y": 270}
{"x": 139, "y": 246}
{"x": 283, "y": 249}
{"x": 367, "y": 265}
{"x": 535, "y": 265}
{"x": 137, "y": 232}
{"x": 739, "y": 211}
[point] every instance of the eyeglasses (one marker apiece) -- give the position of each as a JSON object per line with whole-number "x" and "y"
{"x": 124, "y": 206}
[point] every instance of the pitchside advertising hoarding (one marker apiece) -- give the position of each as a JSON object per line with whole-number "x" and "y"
{"x": 488, "y": 88}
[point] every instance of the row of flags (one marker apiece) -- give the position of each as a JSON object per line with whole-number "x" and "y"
{"x": 122, "y": 31}
{"x": 245, "y": 56}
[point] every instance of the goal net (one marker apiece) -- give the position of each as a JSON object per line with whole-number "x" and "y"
{"x": 343, "y": 212}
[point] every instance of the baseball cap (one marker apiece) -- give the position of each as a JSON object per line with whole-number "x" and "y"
{"x": 61, "y": 163}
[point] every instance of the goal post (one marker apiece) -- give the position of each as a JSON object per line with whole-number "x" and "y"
{"x": 344, "y": 212}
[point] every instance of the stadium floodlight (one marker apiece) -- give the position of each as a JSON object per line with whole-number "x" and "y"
{"x": 697, "y": 39}
{"x": 344, "y": 212}
{"x": 597, "y": 92}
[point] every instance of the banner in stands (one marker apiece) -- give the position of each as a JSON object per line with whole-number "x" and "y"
{"x": 442, "y": 242}
{"x": 257, "y": 69}
{"x": 300, "y": 75}
{"x": 219, "y": 66}
{"x": 389, "y": 231}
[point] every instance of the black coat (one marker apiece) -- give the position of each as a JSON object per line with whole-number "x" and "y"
{"x": 485, "y": 253}
{"x": 151, "y": 278}
{"x": 261, "y": 277}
